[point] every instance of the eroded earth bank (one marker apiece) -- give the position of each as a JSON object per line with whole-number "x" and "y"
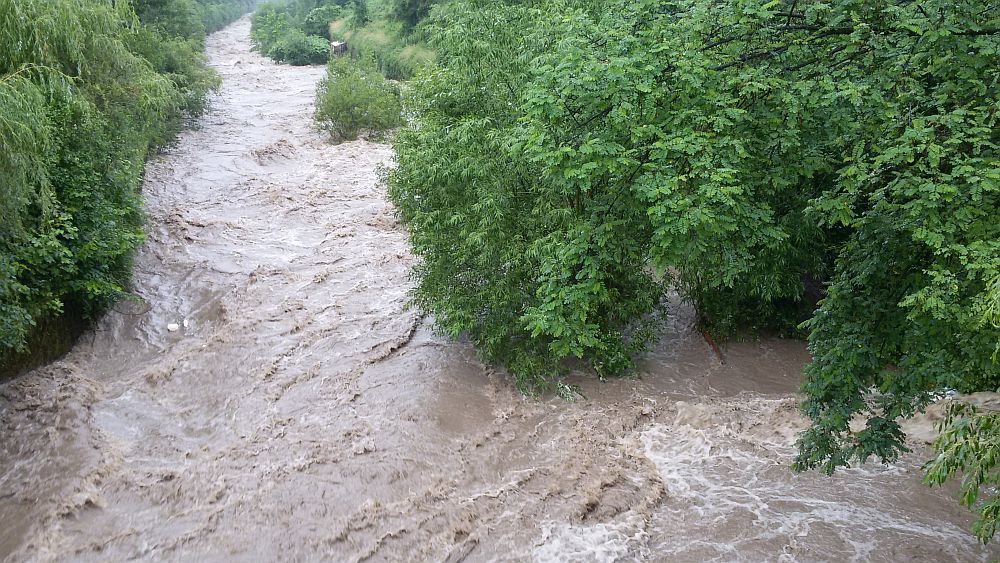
{"x": 301, "y": 411}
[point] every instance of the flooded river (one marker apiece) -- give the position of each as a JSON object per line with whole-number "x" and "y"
{"x": 271, "y": 397}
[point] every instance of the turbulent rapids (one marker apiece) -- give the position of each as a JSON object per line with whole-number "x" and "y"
{"x": 271, "y": 396}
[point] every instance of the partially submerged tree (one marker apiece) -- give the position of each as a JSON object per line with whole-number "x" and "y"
{"x": 559, "y": 170}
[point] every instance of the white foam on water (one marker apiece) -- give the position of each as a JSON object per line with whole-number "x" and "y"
{"x": 603, "y": 542}
{"x": 731, "y": 495}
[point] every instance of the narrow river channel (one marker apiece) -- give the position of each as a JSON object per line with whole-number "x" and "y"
{"x": 270, "y": 396}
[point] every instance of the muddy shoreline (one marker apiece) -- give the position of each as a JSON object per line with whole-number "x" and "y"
{"x": 303, "y": 411}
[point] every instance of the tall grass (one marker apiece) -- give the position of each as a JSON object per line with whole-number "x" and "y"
{"x": 395, "y": 56}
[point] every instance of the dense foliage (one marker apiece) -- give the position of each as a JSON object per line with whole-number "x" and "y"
{"x": 297, "y": 48}
{"x": 87, "y": 88}
{"x": 295, "y": 32}
{"x": 359, "y": 14}
{"x": 396, "y": 56}
{"x": 968, "y": 446}
{"x": 410, "y": 12}
{"x": 758, "y": 156}
{"x": 533, "y": 264}
{"x": 354, "y": 97}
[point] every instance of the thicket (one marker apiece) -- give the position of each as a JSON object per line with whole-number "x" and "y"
{"x": 87, "y": 89}
{"x": 409, "y": 13}
{"x": 354, "y": 97}
{"x": 396, "y": 55}
{"x": 295, "y": 32}
{"x": 829, "y": 168}
{"x": 387, "y": 32}
{"x": 217, "y": 14}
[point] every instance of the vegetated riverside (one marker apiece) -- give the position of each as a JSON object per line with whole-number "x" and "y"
{"x": 387, "y": 35}
{"x": 88, "y": 89}
{"x": 303, "y": 411}
{"x": 826, "y": 169}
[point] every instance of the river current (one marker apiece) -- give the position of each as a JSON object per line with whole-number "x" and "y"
{"x": 269, "y": 395}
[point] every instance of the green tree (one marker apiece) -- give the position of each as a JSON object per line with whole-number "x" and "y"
{"x": 270, "y": 23}
{"x": 410, "y": 12}
{"x": 172, "y": 18}
{"x": 359, "y": 13}
{"x": 968, "y": 445}
{"x": 535, "y": 270}
{"x": 317, "y": 21}
{"x": 760, "y": 155}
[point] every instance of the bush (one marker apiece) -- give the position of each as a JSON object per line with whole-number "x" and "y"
{"x": 181, "y": 61}
{"x": 759, "y": 162}
{"x": 967, "y": 446}
{"x": 359, "y": 14}
{"x": 354, "y": 97}
{"x": 268, "y": 26}
{"x": 274, "y": 34}
{"x": 410, "y": 12}
{"x": 177, "y": 18}
{"x": 297, "y": 48}
{"x": 318, "y": 20}
{"x": 85, "y": 93}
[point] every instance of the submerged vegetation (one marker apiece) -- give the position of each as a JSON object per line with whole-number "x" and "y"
{"x": 354, "y": 97}
{"x": 827, "y": 169}
{"x": 87, "y": 89}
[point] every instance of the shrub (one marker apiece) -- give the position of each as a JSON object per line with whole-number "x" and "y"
{"x": 216, "y": 14}
{"x": 87, "y": 89}
{"x": 80, "y": 108}
{"x": 268, "y": 25}
{"x": 318, "y": 20}
{"x": 967, "y": 445}
{"x": 178, "y": 18}
{"x": 851, "y": 150}
{"x": 410, "y": 12}
{"x": 354, "y": 97}
{"x": 297, "y": 48}
{"x": 181, "y": 61}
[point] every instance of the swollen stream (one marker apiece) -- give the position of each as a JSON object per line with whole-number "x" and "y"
{"x": 300, "y": 411}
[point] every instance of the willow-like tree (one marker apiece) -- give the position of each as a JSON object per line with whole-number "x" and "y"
{"x": 86, "y": 90}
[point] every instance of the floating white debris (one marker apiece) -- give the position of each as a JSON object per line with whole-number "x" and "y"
{"x": 186, "y": 324}
{"x": 173, "y": 327}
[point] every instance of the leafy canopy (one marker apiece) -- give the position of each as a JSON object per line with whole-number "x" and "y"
{"x": 832, "y": 163}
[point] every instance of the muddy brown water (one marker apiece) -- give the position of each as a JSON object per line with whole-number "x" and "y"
{"x": 302, "y": 412}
